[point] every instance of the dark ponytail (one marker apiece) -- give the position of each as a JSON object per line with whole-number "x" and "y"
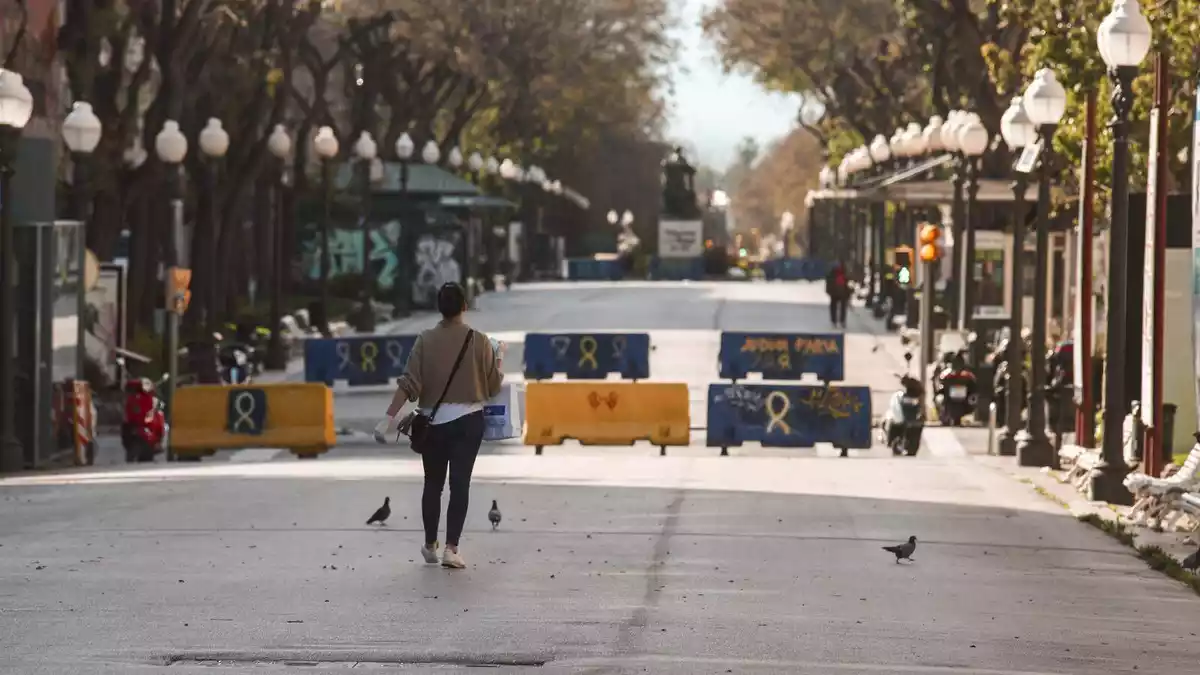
{"x": 451, "y": 300}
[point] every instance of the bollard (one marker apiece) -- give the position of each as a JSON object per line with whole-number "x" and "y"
{"x": 991, "y": 428}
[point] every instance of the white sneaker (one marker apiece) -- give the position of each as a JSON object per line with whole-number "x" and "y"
{"x": 453, "y": 560}
{"x": 429, "y": 553}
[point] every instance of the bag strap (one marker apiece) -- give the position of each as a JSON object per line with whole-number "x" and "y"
{"x": 453, "y": 372}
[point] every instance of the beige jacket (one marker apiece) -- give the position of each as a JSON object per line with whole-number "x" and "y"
{"x": 478, "y": 378}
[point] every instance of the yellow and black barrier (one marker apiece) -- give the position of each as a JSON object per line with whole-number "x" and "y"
{"x": 295, "y": 416}
{"x": 606, "y": 413}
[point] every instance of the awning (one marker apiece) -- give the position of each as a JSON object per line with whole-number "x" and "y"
{"x": 475, "y": 202}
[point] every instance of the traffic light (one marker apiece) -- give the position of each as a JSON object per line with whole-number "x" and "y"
{"x": 178, "y": 295}
{"x": 931, "y": 245}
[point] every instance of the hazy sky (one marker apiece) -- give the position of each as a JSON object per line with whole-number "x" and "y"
{"x": 712, "y": 111}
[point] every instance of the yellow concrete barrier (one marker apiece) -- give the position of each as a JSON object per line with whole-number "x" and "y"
{"x": 606, "y": 413}
{"x": 295, "y": 416}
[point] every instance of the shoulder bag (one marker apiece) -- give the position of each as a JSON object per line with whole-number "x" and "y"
{"x": 419, "y": 425}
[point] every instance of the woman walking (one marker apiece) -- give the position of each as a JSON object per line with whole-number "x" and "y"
{"x": 450, "y": 373}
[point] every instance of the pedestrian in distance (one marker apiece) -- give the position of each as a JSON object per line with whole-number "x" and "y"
{"x": 837, "y": 287}
{"x": 451, "y": 372}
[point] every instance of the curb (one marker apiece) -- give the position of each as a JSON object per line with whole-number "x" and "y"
{"x": 1162, "y": 552}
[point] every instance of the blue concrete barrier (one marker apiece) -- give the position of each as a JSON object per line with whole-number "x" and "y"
{"x": 583, "y": 356}
{"x": 783, "y": 356}
{"x": 360, "y": 360}
{"x": 795, "y": 269}
{"x": 788, "y": 416}
{"x": 590, "y": 269}
{"x": 677, "y": 269}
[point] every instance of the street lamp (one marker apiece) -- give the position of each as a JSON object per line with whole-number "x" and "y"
{"x": 973, "y": 140}
{"x": 430, "y": 153}
{"x": 325, "y": 143}
{"x": 16, "y": 107}
{"x": 214, "y": 143}
{"x": 627, "y": 218}
{"x": 492, "y": 166}
{"x": 171, "y": 147}
{"x": 1045, "y": 102}
{"x": 403, "y": 291}
{"x": 81, "y": 131}
{"x": 280, "y": 146}
{"x": 1018, "y": 132}
{"x": 455, "y": 158}
{"x": 366, "y": 150}
{"x": 613, "y": 217}
{"x": 1124, "y": 40}
{"x": 508, "y": 170}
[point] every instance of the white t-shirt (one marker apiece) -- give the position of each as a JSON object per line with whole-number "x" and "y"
{"x": 448, "y": 412}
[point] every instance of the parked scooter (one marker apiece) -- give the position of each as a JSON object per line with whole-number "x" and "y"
{"x": 954, "y": 389}
{"x": 235, "y": 361}
{"x": 144, "y": 426}
{"x": 904, "y": 421}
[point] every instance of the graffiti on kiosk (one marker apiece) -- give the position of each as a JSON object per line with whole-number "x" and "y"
{"x": 345, "y": 253}
{"x": 436, "y": 263}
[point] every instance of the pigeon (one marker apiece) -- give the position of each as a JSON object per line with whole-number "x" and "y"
{"x": 903, "y": 551}
{"x": 494, "y": 515}
{"x": 383, "y": 513}
{"x": 1192, "y": 562}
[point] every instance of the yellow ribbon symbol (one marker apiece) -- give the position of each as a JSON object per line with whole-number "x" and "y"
{"x": 777, "y": 416}
{"x": 785, "y": 361}
{"x": 587, "y": 352}
{"x": 368, "y": 352}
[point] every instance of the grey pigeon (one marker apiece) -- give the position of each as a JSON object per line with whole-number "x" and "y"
{"x": 494, "y": 515}
{"x": 903, "y": 551}
{"x": 1192, "y": 562}
{"x": 383, "y": 513}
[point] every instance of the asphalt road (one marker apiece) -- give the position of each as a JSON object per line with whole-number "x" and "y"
{"x": 607, "y": 561}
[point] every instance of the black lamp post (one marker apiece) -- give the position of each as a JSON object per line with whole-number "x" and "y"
{"x": 365, "y": 150}
{"x": 1124, "y": 40}
{"x": 1018, "y": 132}
{"x": 81, "y": 131}
{"x": 973, "y": 140}
{"x": 214, "y": 143}
{"x": 403, "y": 306}
{"x": 1045, "y": 102}
{"x": 326, "y": 145}
{"x": 280, "y": 145}
{"x": 16, "y": 107}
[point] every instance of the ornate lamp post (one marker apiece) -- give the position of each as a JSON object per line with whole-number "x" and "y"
{"x": 325, "y": 143}
{"x": 81, "y": 131}
{"x": 16, "y": 107}
{"x": 366, "y": 150}
{"x": 403, "y": 308}
{"x": 430, "y": 154}
{"x": 1045, "y": 102}
{"x": 1018, "y": 132}
{"x": 949, "y": 134}
{"x": 1124, "y": 40}
{"x": 171, "y": 147}
{"x": 455, "y": 158}
{"x": 280, "y": 146}
{"x": 214, "y": 143}
{"x": 973, "y": 139}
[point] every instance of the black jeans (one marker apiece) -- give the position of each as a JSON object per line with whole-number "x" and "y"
{"x": 837, "y": 310}
{"x": 454, "y": 446}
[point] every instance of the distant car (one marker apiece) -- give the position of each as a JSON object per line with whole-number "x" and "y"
{"x": 737, "y": 273}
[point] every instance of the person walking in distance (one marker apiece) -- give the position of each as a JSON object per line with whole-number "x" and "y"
{"x": 451, "y": 371}
{"x": 837, "y": 286}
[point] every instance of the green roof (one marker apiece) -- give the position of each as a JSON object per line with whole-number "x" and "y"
{"x": 422, "y": 178}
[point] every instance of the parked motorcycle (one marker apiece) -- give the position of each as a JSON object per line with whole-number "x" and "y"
{"x": 903, "y": 422}
{"x": 144, "y": 426}
{"x": 235, "y": 361}
{"x": 954, "y": 389}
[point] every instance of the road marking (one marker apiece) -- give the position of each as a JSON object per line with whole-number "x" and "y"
{"x": 942, "y": 442}
{"x": 255, "y": 455}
